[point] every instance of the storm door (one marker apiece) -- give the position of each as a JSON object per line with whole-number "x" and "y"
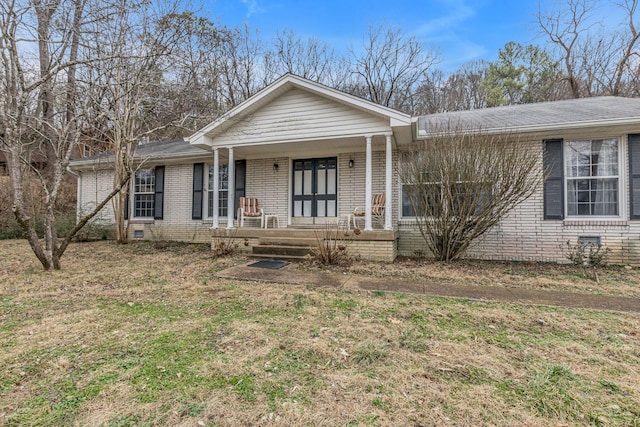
{"x": 315, "y": 183}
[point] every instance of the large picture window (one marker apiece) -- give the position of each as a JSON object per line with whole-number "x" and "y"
{"x": 144, "y": 194}
{"x": 453, "y": 197}
{"x": 223, "y": 191}
{"x": 592, "y": 177}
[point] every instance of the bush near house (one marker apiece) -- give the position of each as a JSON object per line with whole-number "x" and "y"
{"x": 462, "y": 184}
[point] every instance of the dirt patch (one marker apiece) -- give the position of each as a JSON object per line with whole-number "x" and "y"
{"x": 614, "y": 280}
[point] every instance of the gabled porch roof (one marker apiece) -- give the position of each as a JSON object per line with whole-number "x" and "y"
{"x": 293, "y": 110}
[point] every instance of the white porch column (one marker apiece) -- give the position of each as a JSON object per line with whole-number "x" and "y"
{"x": 231, "y": 187}
{"x": 368, "y": 187}
{"x": 216, "y": 188}
{"x": 388, "y": 185}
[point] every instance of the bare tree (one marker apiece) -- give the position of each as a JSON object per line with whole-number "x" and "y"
{"x": 460, "y": 90}
{"x": 461, "y": 184}
{"x": 241, "y": 72}
{"x": 563, "y": 28}
{"x": 125, "y": 92}
{"x": 430, "y": 95}
{"x": 188, "y": 95}
{"x": 40, "y": 45}
{"x": 311, "y": 58}
{"x": 597, "y": 60}
{"x": 463, "y": 88}
{"x": 391, "y": 65}
{"x": 49, "y": 100}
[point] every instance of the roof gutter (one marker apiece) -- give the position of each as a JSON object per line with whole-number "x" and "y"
{"x": 105, "y": 163}
{"x": 423, "y": 134}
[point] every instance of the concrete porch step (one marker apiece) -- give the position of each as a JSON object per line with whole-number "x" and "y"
{"x": 278, "y": 257}
{"x": 281, "y": 250}
{"x": 288, "y": 241}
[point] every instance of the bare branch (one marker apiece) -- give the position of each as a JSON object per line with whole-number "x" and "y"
{"x": 461, "y": 185}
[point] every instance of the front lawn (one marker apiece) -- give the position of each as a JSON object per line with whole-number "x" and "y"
{"x": 137, "y": 335}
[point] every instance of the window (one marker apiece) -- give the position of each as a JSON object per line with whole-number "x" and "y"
{"x": 592, "y": 177}
{"x": 3, "y": 168}
{"x": 407, "y": 207}
{"x": 144, "y": 194}
{"x": 456, "y": 197}
{"x": 429, "y": 197}
{"x": 223, "y": 191}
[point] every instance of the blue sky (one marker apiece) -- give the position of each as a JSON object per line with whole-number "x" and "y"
{"x": 460, "y": 30}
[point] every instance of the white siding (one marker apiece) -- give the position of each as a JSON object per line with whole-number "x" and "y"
{"x": 299, "y": 115}
{"x": 94, "y": 187}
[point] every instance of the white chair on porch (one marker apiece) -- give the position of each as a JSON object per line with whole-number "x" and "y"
{"x": 377, "y": 210}
{"x": 249, "y": 209}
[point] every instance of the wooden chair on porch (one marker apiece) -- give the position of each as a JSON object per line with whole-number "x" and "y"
{"x": 248, "y": 208}
{"x": 377, "y": 210}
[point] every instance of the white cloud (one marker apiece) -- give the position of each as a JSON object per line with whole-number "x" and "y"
{"x": 457, "y": 13}
{"x": 446, "y": 33}
{"x": 252, "y": 7}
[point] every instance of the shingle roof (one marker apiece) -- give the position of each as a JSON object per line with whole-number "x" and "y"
{"x": 540, "y": 116}
{"x": 168, "y": 148}
{"x": 151, "y": 151}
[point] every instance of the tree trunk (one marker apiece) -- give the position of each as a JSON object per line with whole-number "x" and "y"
{"x": 17, "y": 174}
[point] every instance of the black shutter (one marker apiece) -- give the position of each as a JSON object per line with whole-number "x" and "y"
{"x": 159, "y": 193}
{"x": 554, "y": 179}
{"x": 634, "y": 175}
{"x": 198, "y": 182}
{"x": 126, "y": 203}
{"x": 240, "y": 177}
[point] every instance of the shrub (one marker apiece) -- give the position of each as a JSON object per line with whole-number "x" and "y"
{"x": 223, "y": 242}
{"x": 461, "y": 184}
{"x": 588, "y": 257}
{"x": 332, "y": 246}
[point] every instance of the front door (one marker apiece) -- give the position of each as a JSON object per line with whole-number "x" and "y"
{"x": 315, "y": 183}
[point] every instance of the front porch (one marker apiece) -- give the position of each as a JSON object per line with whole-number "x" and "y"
{"x": 377, "y": 245}
{"x": 311, "y": 154}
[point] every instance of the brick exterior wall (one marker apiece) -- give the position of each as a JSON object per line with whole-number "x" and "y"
{"x": 522, "y": 235}
{"x": 351, "y": 181}
{"x": 269, "y": 186}
{"x": 525, "y": 235}
{"x": 177, "y": 223}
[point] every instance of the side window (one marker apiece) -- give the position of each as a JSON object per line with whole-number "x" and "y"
{"x": 592, "y": 177}
{"x": 144, "y": 194}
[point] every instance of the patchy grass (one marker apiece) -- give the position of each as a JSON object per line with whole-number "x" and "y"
{"x": 147, "y": 335}
{"x": 614, "y": 279}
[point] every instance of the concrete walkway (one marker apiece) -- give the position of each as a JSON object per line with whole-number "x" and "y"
{"x": 291, "y": 276}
